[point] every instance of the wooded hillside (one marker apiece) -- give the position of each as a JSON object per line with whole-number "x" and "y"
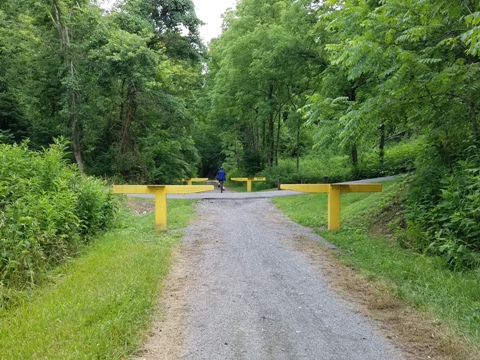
{"x": 292, "y": 89}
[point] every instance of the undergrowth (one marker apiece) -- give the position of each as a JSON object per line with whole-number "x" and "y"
{"x": 48, "y": 212}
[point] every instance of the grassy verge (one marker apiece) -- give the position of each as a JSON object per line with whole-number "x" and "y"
{"x": 239, "y": 186}
{"x": 421, "y": 281}
{"x": 98, "y": 305}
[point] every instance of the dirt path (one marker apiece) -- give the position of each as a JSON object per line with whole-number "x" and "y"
{"x": 243, "y": 287}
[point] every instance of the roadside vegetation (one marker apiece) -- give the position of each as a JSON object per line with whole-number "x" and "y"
{"x": 48, "y": 213}
{"x": 98, "y": 305}
{"x": 298, "y": 90}
{"x": 370, "y": 242}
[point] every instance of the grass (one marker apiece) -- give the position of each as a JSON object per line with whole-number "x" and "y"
{"x": 239, "y": 186}
{"x": 98, "y": 305}
{"x": 423, "y": 282}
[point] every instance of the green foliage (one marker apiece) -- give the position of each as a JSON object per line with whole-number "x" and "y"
{"x": 313, "y": 170}
{"x": 472, "y": 36}
{"x": 443, "y": 212}
{"x": 398, "y": 159}
{"x": 252, "y": 162}
{"x": 105, "y": 80}
{"x": 47, "y": 211}
{"x": 331, "y": 167}
{"x": 209, "y": 145}
{"x": 95, "y": 207}
{"x": 262, "y": 68}
{"x": 168, "y": 161}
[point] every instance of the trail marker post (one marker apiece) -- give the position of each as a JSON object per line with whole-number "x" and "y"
{"x": 160, "y": 192}
{"x": 249, "y": 181}
{"x": 191, "y": 180}
{"x": 334, "y": 191}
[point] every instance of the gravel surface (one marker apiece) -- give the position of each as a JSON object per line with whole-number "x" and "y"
{"x": 241, "y": 288}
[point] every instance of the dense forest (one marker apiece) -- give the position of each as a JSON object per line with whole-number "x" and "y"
{"x": 292, "y": 89}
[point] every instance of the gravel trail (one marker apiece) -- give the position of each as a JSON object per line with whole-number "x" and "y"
{"x": 240, "y": 288}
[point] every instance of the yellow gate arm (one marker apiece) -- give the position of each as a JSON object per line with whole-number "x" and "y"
{"x": 160, "y": 192}
{"x": 249, "y": 181}
{"x": 334, "y": 191}
{"x": 191, "y": 180}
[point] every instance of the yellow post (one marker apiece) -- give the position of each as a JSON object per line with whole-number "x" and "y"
{"x": 191, "y": 180}
{"x": 249, "y": 181}
{"x": 160, "y": 192}
{"x": 334, "y": 207}
{"x": 160, "y": 208}
{"x": 334, "y": 191}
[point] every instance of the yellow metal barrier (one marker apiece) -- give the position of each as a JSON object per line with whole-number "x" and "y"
{"x": 334, "y": 191}
{"x": 191, "y": 180}
{"x": 160, "y": 192}
{"x": 249, "y": 181}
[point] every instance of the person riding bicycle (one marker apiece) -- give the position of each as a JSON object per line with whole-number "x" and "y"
{"x": 221, "y": 177}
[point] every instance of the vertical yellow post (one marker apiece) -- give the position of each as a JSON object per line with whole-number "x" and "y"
{"x": 249, "y": 185}
{"x": 189, "y": 181}
{"x": 160, "y": 208}
{"x": 334, "y": 207}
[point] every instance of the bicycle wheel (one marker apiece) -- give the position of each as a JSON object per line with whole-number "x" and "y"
{"x": 221, "y": 187}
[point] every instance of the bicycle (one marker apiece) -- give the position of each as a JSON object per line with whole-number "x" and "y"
{"x": 222, "y": 188}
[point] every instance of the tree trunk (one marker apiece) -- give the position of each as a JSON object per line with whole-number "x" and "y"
{"x": 271, "y": 127}
{"x": 64, "y": 38}
{"x": 75, "y": 127}
{"x": 382, "y": 143}
{"x": 473, "y": 119}
{"x": 354, "y": 155}
{"x": 297, "y": 150}
{"x": 277, "y": 144}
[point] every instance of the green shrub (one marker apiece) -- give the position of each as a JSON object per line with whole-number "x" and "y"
{"x": 398, "y": 159}
{"x": 47, "y": 211}
{"x": 443, "y": 211}
{"x": 312, "y": 170}
{"x": 95, "y": 207}
{"x": 251, "y": 162}
{"x": 331, "y": 167}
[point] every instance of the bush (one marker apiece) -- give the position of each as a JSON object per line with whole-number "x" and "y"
{"x": 251, "y": 162}
{"x": 398, "y": 159}
{"x": 47, "y": 211}
{"x": 443, "y": 211}
{"x": 329, "y": 166}
{"x": 95, "y": 207}
{"x": 312, "y": 170}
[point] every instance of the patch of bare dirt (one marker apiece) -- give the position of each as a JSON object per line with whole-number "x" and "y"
{"x": 140, "y": 207}
{"x": 419, "y": 335}
{"x": 165, "y": 338}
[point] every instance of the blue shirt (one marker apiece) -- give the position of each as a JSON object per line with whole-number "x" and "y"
{"x": 221, "y": 175}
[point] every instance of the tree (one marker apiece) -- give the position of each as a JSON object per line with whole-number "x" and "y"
{"x": 407, "y": 63}
{"x": 176, "y": 26}
{"x": 106, "y": 80}
{"x": 258, "y": 78}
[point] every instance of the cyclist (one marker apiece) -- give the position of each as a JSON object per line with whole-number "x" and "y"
{"x": 221, "y": 177}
